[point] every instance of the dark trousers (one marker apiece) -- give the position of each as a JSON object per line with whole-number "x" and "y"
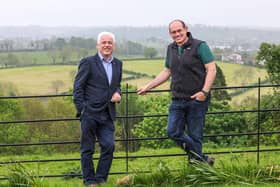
{"x": 101, "y": 127}
{"x": 188, "y": 116}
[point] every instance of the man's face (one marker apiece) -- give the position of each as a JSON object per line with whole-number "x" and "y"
{"x": 178, "y": 33}
{"x": 106, "y": 46}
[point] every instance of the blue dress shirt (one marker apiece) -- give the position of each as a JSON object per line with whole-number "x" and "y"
{"x": 107, "y": 66}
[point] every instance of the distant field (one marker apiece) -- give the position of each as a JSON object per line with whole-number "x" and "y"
{"x": 42, "y": 57}
{"x": 38, "y": 79}
{"x": 235, "y": 74}
{"x": 151, "y": 67}
{"x": 32, "y": 57}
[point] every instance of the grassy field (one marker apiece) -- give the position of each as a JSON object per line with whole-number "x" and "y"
{"x": 38, "y": 79}
{"x": 135, "y": 165}
{"x": 33, "y": 57}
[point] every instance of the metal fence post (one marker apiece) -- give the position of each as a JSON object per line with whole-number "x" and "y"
{"x": 126, "y": 126}
{"x": 258, "y": 120}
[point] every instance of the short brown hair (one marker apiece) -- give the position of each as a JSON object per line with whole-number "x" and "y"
{"x": 177, "y": 20}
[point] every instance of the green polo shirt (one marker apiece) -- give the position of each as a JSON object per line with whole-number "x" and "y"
{"x": 203, "y": 51}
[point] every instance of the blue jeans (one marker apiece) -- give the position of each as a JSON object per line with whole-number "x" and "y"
{"x": 101, "y": 127}
{"x": 188, "y": 116}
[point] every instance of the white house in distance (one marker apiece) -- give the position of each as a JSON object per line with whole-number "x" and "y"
{"x": 235, "y": 58}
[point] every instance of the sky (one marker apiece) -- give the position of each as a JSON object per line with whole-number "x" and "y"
{"x": 84, "y": 13}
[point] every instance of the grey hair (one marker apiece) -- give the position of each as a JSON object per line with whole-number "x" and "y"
{"x": 105, "y": 33}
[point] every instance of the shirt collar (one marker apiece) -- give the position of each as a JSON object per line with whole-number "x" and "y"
{"x": 103, "y": 59}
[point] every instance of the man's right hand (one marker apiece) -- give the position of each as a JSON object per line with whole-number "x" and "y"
{"x": 143, "y": 90}
{"x": 160, "y": 78}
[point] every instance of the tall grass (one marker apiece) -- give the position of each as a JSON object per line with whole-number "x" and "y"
{"x": 201, "y": 174}
{"x": 20, "y": 176}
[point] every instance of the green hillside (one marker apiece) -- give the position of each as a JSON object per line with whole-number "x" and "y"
{"x": 40, "y": 79}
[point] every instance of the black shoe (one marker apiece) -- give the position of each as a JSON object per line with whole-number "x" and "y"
{"x": 210, "y": 161}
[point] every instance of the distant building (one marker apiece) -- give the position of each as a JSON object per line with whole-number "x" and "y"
{"x": 235, "y": 58}
{"x": 220, "y": 46}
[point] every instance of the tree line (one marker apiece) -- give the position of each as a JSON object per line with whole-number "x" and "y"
{"x": 62, "y": 50}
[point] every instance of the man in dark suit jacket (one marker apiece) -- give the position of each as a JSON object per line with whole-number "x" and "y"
{"x": 96, "y": 90}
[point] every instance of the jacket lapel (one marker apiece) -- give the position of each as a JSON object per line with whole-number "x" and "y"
{"x": 100, "y": 67}
{"x": 114, "y": 72}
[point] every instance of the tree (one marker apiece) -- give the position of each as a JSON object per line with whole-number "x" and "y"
{"x": 125, "y": 126}
{"x": 3, "y": 61}
{"x": 12, "y": 60}
{"x": 66, "y": 53}
{"x": 59, "y": 43}
{"x": 220, "y": 81}
{"x": 154, "y": 126}
{"x": 11, "y": 110}
{"x": 129, "y": 48}
{"x": 37, "y": 132}
{"x": 269, "y": 121}
{"x": 56, "y": 85}
{"x": 83, "y": 43}
{"x": 218, "y": 53}
{"x": 150, "y": 52}
{"x": 53, "y": 54}
{"x": 225, "y": 123}
{"x": 62, "y": 130}
{"x": 51, "y": 131}
{"x": 249, "y": 58}
{"x": 269, "y": 54}
{"x": 8, "y": 45}
{"x": 82, "y": 52}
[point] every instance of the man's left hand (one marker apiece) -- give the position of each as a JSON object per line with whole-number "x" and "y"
{"x": 199, "y": 96}
{"x": 116, "y": 98}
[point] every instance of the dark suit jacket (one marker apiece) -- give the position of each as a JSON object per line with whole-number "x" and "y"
{"x": 92, "y": 92}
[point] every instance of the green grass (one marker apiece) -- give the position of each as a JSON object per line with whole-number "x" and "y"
{"x": 225, "y": 163}
{"x": 151, "y": 67}
{"x": 38, "y": 80}
{"x": 236, "y": 74}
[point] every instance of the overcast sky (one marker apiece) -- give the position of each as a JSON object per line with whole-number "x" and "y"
{"x": 261, "y": 13}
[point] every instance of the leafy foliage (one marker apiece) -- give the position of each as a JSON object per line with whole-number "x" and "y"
{"x": 225, "y": 123}
{"x": 220, "y": 81}
{"x": 269, "y": 121}
{"x": 125, "y": 125}
{"x": 269, "y": 54}
{"x": 12, "y": 133}
{"x": 154, "y": 126}
{"x": 150, "y": 52}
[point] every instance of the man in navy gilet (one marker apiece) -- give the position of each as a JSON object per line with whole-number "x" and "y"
{"x": 191, "y": 65}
